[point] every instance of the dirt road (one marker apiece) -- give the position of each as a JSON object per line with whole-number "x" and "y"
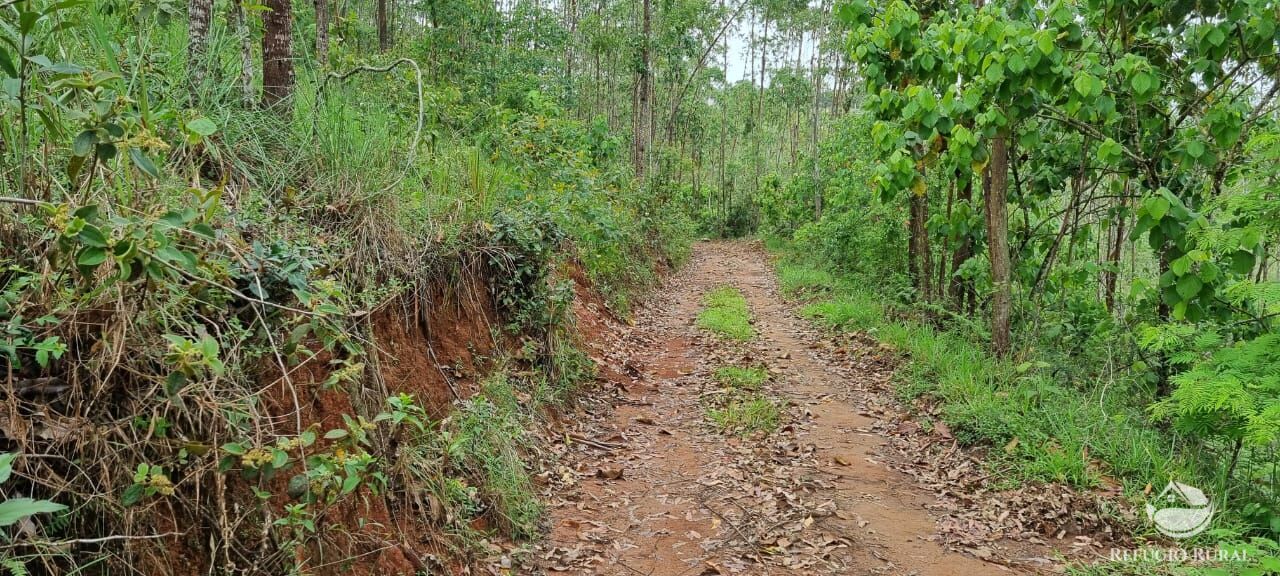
{"x": 649, "y": 487}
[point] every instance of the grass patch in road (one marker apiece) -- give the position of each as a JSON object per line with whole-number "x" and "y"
{"x": 726, "y": 314}
{"x": 746, "y": 415}
{"x": 802, "y": 281}
{"x": 745, "y": 378}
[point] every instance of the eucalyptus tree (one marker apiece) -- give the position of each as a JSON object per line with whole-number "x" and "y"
{"x": 277, "y": 52}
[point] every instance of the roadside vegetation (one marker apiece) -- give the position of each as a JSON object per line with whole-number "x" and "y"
{"x": 273, "y": 270}
{"x": 279, "y": 280}
{"x": 1081, "y": 281}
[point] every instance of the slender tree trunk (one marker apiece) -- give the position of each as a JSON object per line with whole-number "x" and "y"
{"x": 384, "y": 30}
{"x": 277, "y": 53}
{"x": 199, "y": 15}
{"x": 998, "y": 243}
{"x": 322, "y": 32}
{"x": 241, "y": 22}
{"x": 1113, "y": 256}
{"x": 571, "y": 8}
{"x": 814, "y": 65}
{"x": 642, "y": 114}
{"x": 920, "y": 242}
{"x": 960, "y": 289}
{"x": 941, "y": 280}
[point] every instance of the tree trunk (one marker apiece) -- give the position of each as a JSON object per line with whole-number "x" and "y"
{"x": 1113, "y": 255}
{"x": 960, "y": 289}
{"x": 199, "y": 15}
{"x": 322, "y": 32}
{"x": 814, "y": 64}
{"x": 642, "y": 113}
{"x": 241, "y": 22}
{"x": 998, "y": 243}
{"x": 277, "y": 53}
{"x": 384, "y": 31}
{"x": 922, "y": 262}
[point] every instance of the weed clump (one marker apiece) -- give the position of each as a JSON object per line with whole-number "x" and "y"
{"x": 748, "y": 378}
{"x": 726, "y": 314}
{"x": 746, "y": 416}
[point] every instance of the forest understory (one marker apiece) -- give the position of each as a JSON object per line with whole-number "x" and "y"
{"x": 639, "y": 287}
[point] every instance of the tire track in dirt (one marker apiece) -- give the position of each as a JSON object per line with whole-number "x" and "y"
{"x": 646, "y": 487}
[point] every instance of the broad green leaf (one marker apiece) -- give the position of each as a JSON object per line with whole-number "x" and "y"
{"x": 91, "y": 256}
{"x": 6, "y": 63}
{"x": 1188, "y": 286}
{"x": 1086, "y": 85}
{"x": 1142, "y": 82}
{"x": 202, "y": 126}
{"x": 15, "y": 509}
{"x": 90, "y": 235}
{"x": 143, "y": 163}
{"x": 1045, "y": 42}
{"x": 1195, "y": 148}
{"x": 1242, "y": 262}
{"x": 1156, "y": 207}
{"x": 83, "y": 144}
{"x": 6, "y": 465}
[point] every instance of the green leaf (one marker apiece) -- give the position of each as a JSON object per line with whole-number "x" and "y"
{"x": 1181, "y": 266}
{"x": 83, "y": 144}
{"x": 1044, "y": 41}
{"x": 350, "y": 484}
{"x": 1216, "y": 36}
{"x": 1195, "y": 148}
{"x": 1108, "y": 151}
{"x": 6, "y": 63}
{"x": 6, "y": 466}
{"x": 1087, "y": 85}
{"x": 202, "y": 126}
{"x": 995, "y": 72}
{"x": 132, "y": 495}
{"x": 1156, "y": 207}
{"x": 1189, "y": 286}
{"x": 1142, "y": 82}
{"x": 27, "y": 22}
{"x": 279, "y": 458}
{"x": 335, "y": 434}
{"x": 143, "y": 163}
{"x": 1209, "y": 272}
{"x": 235, "y": 448}
{"x": 15, "y": 509}
{"x": 90, "y": 235}
{"x": 91, "y": 257}
{"x": 1242, "y": 262}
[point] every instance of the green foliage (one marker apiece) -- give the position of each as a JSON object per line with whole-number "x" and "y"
{"x": 1235, "y": 393}
{"x": 13, "y": 510}
{"x": 1014, "y": 409}
{"x": 486, "y": 442}
{"x": 174, "y": 258}
{"x": 746, "y": 415}
{"x": 725, "y": 313}
{"x": 742, "y": 378}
